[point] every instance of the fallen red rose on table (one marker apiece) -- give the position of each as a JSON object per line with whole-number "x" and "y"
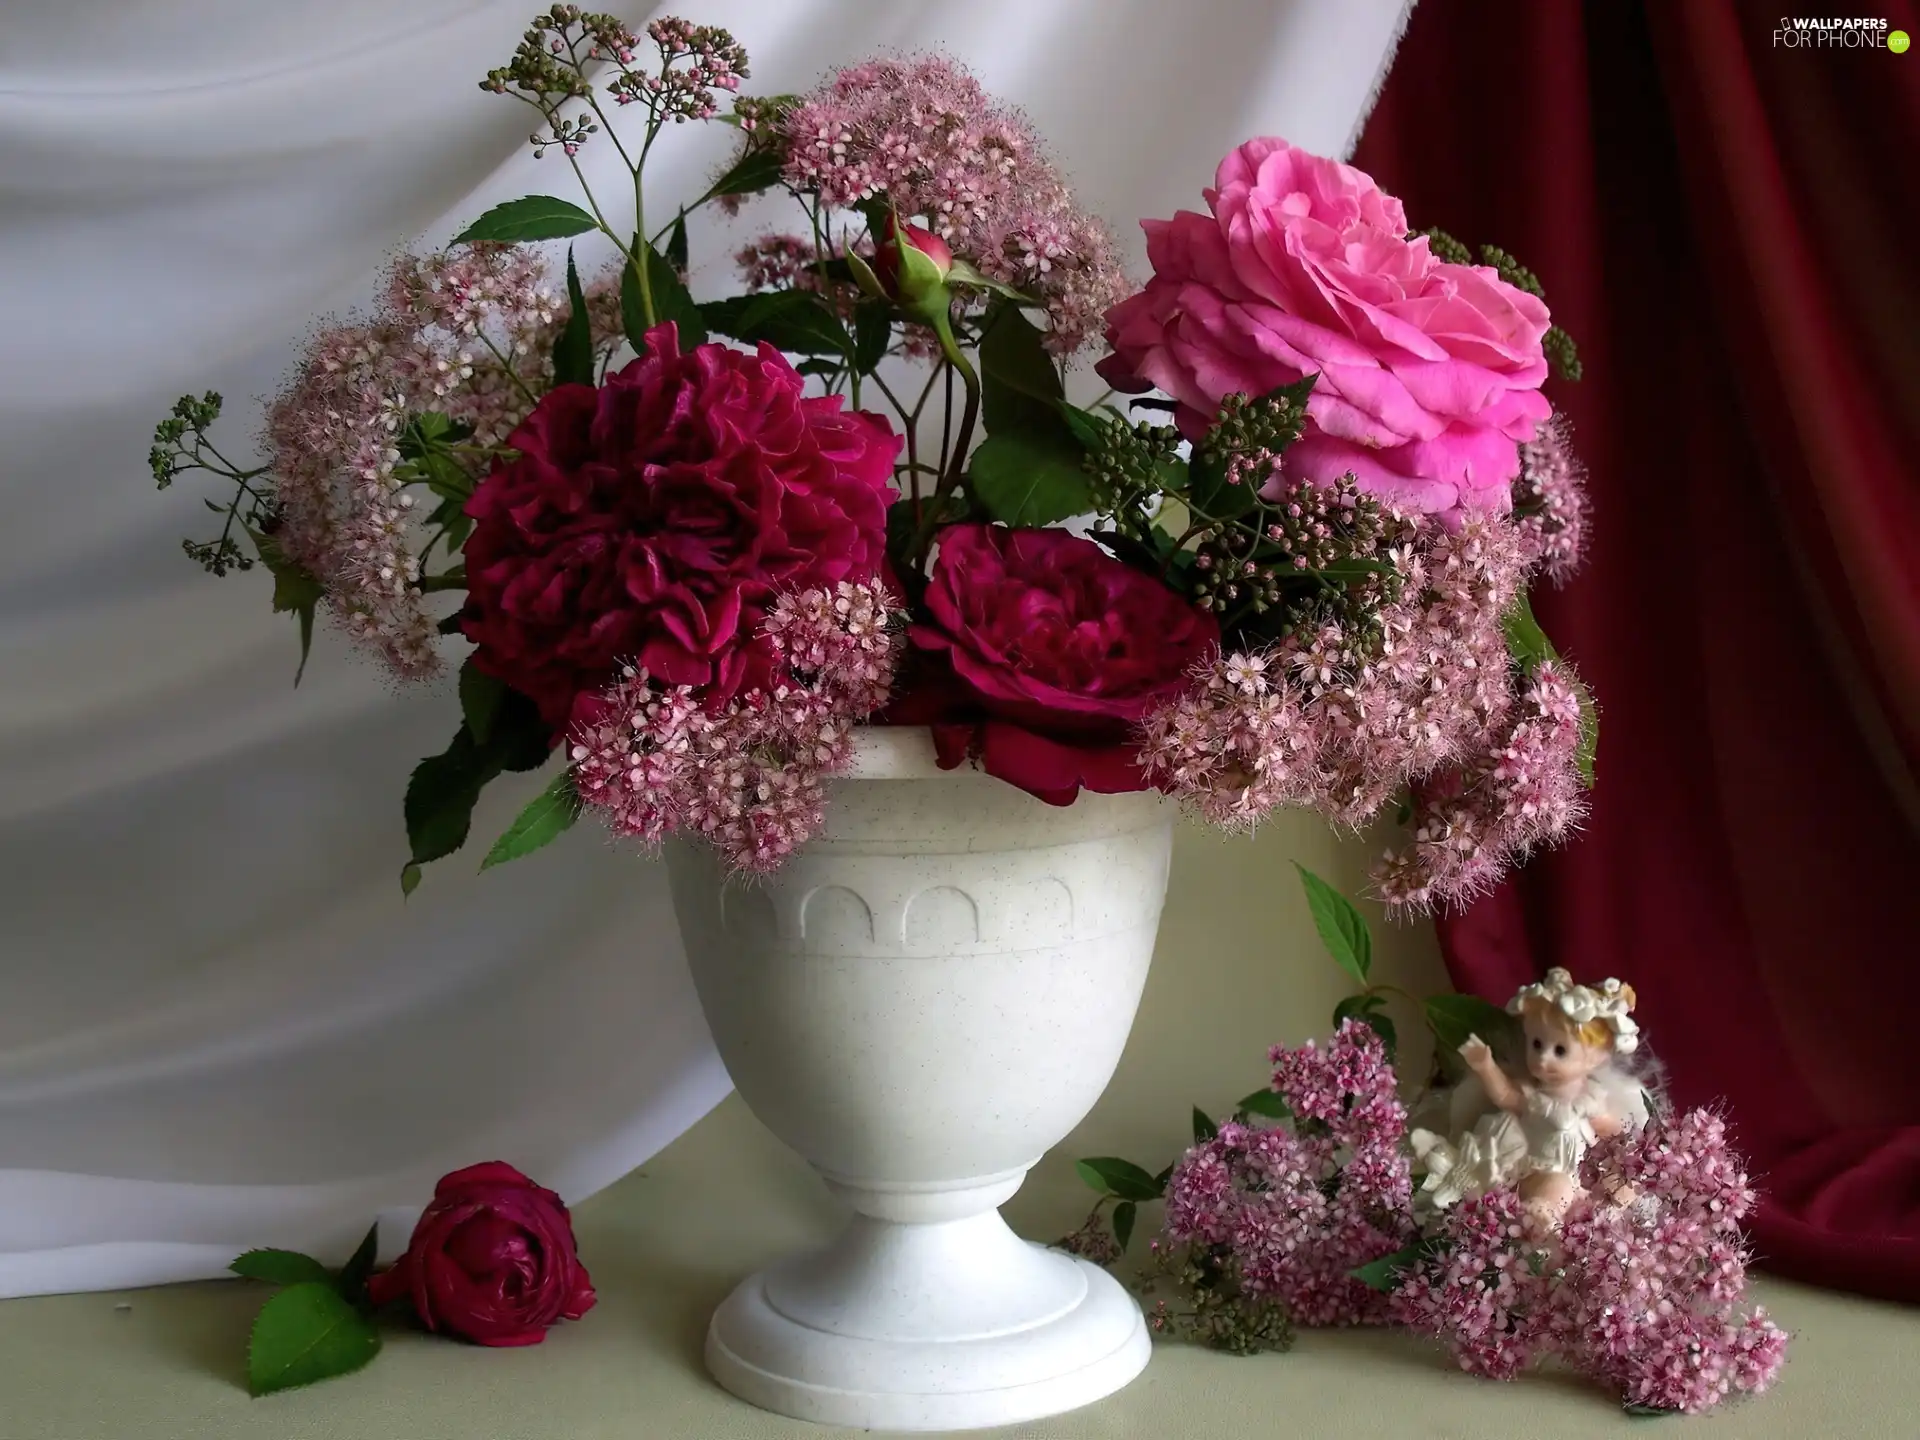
{"x": 492, "y": 1260}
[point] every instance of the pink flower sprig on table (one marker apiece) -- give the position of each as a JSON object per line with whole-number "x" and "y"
{"x": 1644, "y": 1295}
{"x": 921, "y": 134}
{"x": 1290, "y": 1213}
{"x": 748, "y": 773}
{"x": 1650, "y": 1292}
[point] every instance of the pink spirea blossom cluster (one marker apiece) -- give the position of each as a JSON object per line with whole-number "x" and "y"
{"x": 1298, "y": 1209}
{"x": 465, "y": 334}
{"x": 1644, "y": 1296}
{"x": 748, "y": 775}
{"x": 1343, "y": 716}
{"x": 922, "y": 134}
{"x": 1550, "y": 501}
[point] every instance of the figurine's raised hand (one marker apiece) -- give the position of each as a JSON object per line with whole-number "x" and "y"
{"x": 1476, "y": 1053}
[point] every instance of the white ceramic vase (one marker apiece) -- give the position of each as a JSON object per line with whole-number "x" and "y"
{"x": 921, "y": 1002}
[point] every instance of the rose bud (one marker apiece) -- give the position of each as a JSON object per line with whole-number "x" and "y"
{"x": 492, "y": 1260}
{"x": 910, "y": 267}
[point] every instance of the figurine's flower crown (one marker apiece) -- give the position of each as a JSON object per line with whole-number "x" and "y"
{"x": 1583, "y": 1005}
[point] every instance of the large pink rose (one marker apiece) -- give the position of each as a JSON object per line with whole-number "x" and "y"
{"x": 1042, "y": 654}
{"x": 655, "y": 518}
{"x": 1429, "y": 373}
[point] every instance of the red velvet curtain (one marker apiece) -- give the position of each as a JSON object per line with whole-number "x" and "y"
{"x": 1729, "y": 228}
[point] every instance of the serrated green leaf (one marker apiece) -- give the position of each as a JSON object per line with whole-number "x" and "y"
{"x": 352, "y": 1280}
{"x": 964, "y": 274}
{"x": 1452, "y": 1018}
{"x": 671, "y": 301}
{"x": 1372, "y": 1010}
{"x": 444, "y": 788}
{"x": 1588, "y": 751}
{"x": 797, "y": 321}
{"x": 754, "y": 171}
{"x": 1384, "y": 1273}
{"x": 1084, "y": 424}
{"x": 1124, "y": 1214}
{"x": 1527, "y": 643}
{"x": 1203, "y": 1126}
{"x": 1121, "y": 1178}
{"x": 295, "y": 590}
{"x": 306, "y": 1333}
{"x": 1342, "y": 930}
{"x": 279, "y": 1267}
{"x": 573, "y": 347}
{"x": 480, "y": 697}
{"x": 1212, "y": 495}
{"x": 676, "y": 251}
{"x": 532, "y": 217}
{"x": 550, "y": 815}
{"x": 1270, "y": 1103}
{"x": 633, "y": 315}
{"x": 1020, "y": 385}
{"x": 872, "y": 331}
{"x": 1026, "y": 479}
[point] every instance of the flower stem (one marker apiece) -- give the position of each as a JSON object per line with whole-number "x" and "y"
{"x": 951, "y": 480}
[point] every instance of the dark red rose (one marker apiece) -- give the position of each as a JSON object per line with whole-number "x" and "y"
{"x": 654, "y": 518}
{"x": 492, "y": 1260}
{"x": 1043, "y": 654}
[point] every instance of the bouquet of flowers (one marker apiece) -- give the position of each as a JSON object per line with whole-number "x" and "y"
{"x": 686, "y": 557}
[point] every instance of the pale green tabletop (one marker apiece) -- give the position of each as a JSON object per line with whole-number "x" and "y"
{"x": 1235, "y": 974}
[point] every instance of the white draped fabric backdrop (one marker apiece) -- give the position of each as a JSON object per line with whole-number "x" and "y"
{"x": 220, "y": 1025}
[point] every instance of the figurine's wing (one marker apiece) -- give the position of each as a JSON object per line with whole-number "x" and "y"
{"x": 1625, "y": 1093}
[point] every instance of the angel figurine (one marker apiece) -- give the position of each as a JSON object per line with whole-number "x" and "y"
{"x": 1531, "y": 1130}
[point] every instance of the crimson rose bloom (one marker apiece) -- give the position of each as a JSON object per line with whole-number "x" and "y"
{"x": 1045, "y": 655}
{"x": 654, "y": 519}
{"x": 492, "y": 1260}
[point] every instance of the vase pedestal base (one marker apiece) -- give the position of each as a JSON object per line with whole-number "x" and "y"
{"x": 945, "y": 1326}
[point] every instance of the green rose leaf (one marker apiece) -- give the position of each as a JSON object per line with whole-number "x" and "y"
{"x": 1529, "y": 647}
{"x": 352, "y": 1280}
{"x": 307, "y": 1332}
{"x": 550, "y": 815}
{"x": 1026, "y": 479}
{"x": 1212, "y": 495}
{"x": 1342, "y": 930}
{"x": 753, "y": 172}
{"x": 797, "y": 321}
{"x": 1372, "y": 1010}
{"x": 444, "y": 788}
{"x": 1124, "y": 1214}
{"x": 676, "y": 251}
{"x": 1203, "y": 1127}
{"x": 1452, "y": 1018}
{"x": 872, "y": 330}
{"x": 280, "y": 1267}
{"x": 1020, "y": 386}
{"x": 409, "y": 879}
{"x": 672, "y": 301}
{"x": 1384, "y": 1273}
{"x": 1270, "y": 1103}
{"x": 1121, "y": 1178}
{"x": 296, "y": 591}
{"x": 480, "y": 697}
{"x": 573, "y": 347}
{"x": 532, "y": 217}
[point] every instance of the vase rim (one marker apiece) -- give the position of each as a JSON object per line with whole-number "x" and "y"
{"x": 899, "y": 752}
